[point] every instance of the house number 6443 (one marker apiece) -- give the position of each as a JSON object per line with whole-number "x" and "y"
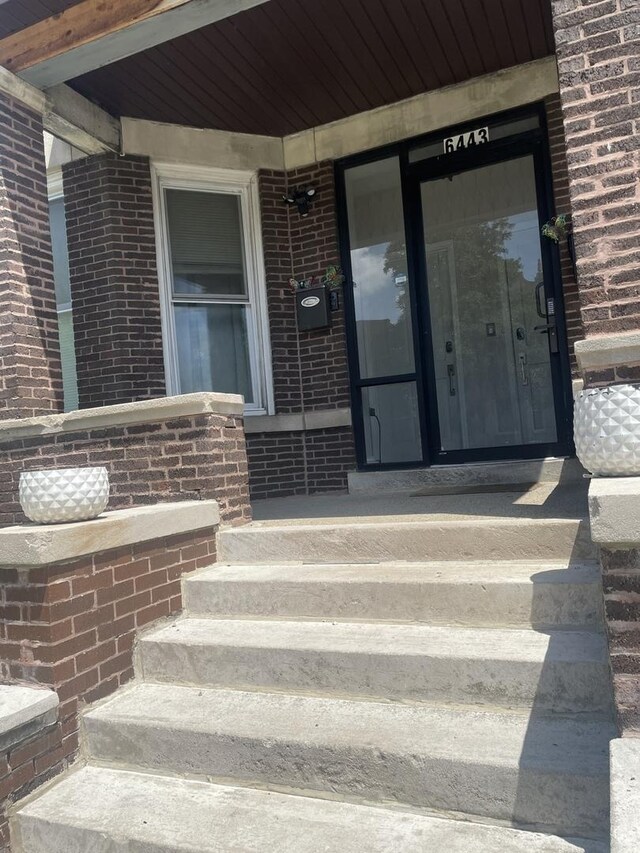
{"x": 466, "y": 140}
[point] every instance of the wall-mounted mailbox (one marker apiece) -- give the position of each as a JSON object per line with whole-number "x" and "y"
{"x": 312, "y": 309}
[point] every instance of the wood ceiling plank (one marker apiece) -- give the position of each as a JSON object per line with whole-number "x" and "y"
{"x": 411, "y": 37}
{"x": 443, "y": 36}
{"x": 535, "y": 28}
{"x": 274, "y": 64}
{"x": 93, "y": 33}
{"x": 242, "y": 61}
{"x": 234, "y": 90}
{"x": 470, "y": 28}
{"x": 345, "y": 53}
{"x": 407, "y": 60}
{"x": 502, "y": 37}
{"x": 314, "y": 40}
{"x": 366, "y": 18}
{"x": 325, "y": 85}
{"x": 518, "y": 29}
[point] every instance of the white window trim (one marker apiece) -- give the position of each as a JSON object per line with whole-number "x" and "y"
{"x": 245, "y": 186}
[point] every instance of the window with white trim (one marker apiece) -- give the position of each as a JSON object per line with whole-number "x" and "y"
{"x": 214, "y": 306}
{"x": 57, "y": 224}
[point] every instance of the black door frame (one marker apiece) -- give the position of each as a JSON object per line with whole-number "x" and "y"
{"x": 534, "y": 142}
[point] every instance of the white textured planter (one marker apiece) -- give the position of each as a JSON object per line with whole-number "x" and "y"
{"x": 64, "y": 494}
{"x": 607, "y": 430}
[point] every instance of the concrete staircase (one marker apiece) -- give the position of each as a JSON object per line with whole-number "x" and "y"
{"x": 401, "y": 686}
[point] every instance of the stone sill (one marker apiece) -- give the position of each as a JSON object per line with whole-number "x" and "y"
{"x": 31, "y": 545}
{"x": 298, "y": 421}
{"x": 24, "y": 711}
{"x": 123, "y": 414}
{"x": 603, "y": 352}
{"x": 614, "y": 511}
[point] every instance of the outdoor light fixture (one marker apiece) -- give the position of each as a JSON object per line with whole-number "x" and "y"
{"x": 301, "y": 199}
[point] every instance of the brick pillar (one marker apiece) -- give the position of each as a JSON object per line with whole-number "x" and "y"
{"x": 598, "y": 50}
{"x": 114, "y": 279}
{"x": 30, "y": 372}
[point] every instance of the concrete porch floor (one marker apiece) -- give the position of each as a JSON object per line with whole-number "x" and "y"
{"x": 540, "y": 501}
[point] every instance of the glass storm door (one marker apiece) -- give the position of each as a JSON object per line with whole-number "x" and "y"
{"x": 455, "y": 320}
{"x": 492, "y": 344}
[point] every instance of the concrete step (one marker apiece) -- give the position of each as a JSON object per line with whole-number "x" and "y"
{"x": 560, "y": 671}
{"x": 478, "y": 593}
{"x": 384, "y": 540}
{"x": 412, "y": 480}
{"x": 542, "y": 773}
{"x": 104, "y": 810}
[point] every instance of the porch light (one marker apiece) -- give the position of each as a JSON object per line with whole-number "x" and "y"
{"x": 301, "y": 199}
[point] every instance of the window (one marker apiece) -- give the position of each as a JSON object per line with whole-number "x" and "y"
{"x": 213, "y": 287}
{"x": 63, "y": 294}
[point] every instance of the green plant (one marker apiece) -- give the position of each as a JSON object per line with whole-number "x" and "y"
{"x": 557, "y": 229}
{"x": 332, "y": 280}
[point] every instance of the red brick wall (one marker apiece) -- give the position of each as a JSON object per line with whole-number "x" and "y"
{"x": 187, "y": 458}
{"x": 309, "y": 368}
{"x": 299, "y": 463}
{"x": 598, "y": 50}
{"x": 30, "y": 763}
{"x": 72, "y": 626}
{"x": 114, "y": 279}
{"x": 30, "y": 372}
{"x": 560, "y": 175}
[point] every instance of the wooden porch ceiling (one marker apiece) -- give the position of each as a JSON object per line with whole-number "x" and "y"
{"x": 288, "y": 65}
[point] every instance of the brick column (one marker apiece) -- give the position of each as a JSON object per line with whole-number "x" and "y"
{"x": 30, "y": 372}
{"x": 114, "y": 279}
{"x": 598, "y": 50}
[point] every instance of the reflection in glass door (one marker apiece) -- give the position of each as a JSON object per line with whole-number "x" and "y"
{"x": 491, "y": 353}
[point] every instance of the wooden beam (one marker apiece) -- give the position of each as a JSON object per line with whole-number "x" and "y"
{"x": 66, "y": 114}
{"x": 72, "y": 117}
{"x": 94, "y": 33}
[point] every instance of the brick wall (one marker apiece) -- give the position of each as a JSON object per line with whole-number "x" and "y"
{"x": 114, "y": 279}
{"x": 598, "y": 50}
{"x": 309, "y": 368}
{"x": 186, "y": 458}
{"x": 621, "y": 581}
{"x": 30, "y": 372}
{"x": 72, "y": 626}
{"x": 30, "y": 763}
{"x": 299, "y": 463}
{"x": 560, "y": 176}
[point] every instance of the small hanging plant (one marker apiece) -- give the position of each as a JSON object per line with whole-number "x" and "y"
{"x": 332, "y": 280}
{"x": 558, "y": 228}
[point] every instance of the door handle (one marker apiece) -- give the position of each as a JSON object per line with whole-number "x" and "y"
{"x": 551, "y": 330}
{"x": 523, "y": 370}
{"x": 540, "y": 289}
{"x": 451, "y": 372}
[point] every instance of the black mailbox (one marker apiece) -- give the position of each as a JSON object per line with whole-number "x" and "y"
{"x": 312, "y": 308}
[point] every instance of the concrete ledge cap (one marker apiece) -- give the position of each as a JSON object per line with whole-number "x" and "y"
{"x": 124, "y": 414}
{"x": 625, "y": 795}
{"x": 606, "y": 351}
{"x": 614, "y": 509}
{"x": 41, "y": 544}
{"x": 21, "y": 705}
{"x": 298, "y": 421}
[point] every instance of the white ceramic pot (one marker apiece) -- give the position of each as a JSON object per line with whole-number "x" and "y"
{"x": 64, "y": 494}
{"x": 607, "y": 430}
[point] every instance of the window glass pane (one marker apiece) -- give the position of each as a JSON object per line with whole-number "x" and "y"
{"x": 391, "y": 423}
{"x": 205, "y": 237}
{"x": 60, "y": 252}
{"x": 213, "y": 349}
{"x": 379, "y": 269}
{"x": 68, "y": 359}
